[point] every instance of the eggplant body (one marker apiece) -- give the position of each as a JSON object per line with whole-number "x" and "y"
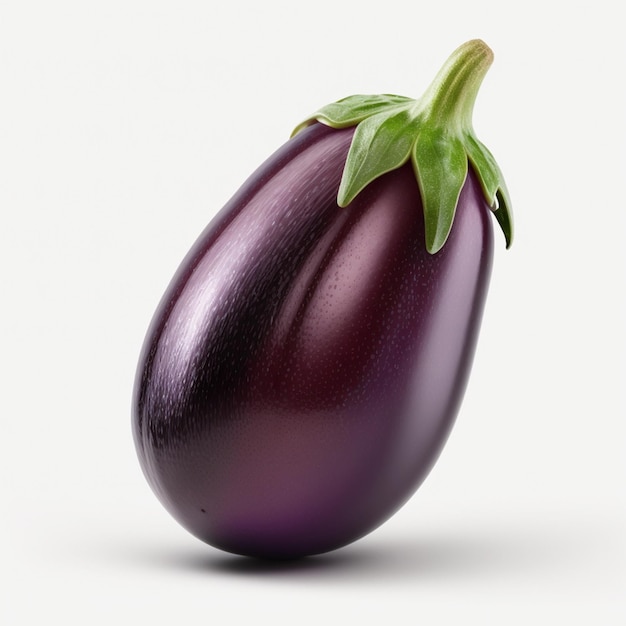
{"x": 306, "y": 364}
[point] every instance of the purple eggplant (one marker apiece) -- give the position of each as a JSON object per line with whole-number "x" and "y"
{"x": 307, "y": 361}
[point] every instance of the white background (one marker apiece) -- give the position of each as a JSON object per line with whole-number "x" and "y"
{"x": 125, "y": 125}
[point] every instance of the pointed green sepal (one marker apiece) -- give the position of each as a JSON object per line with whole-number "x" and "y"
{"x": 492, "y": 183}
{"x": 440, "y": 165}
{"x": 504, "y": 216}
{"x": 435, "y": 132}
{"x": 380, "y": 144}
{"x": 352, "y": 110}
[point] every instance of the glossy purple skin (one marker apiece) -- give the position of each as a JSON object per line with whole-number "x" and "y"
{"x": 305, "y": 366}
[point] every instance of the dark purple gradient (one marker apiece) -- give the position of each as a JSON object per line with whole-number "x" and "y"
{"x": 306, "y": 363}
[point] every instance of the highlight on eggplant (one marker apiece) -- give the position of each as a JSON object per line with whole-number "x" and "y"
{"x": 308, "y": 359}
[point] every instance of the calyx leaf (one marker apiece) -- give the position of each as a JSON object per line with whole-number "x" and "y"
{"x": 435, "y": 132}
{"x": 352, "y": 110}
{"x": 440, "y": 164}
{"x": 380, "y": 144}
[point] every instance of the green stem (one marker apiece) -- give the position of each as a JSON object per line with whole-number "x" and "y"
{"x": 449, "y": 100}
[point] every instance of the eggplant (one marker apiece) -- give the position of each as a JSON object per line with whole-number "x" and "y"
{"x": 306, "y": 364}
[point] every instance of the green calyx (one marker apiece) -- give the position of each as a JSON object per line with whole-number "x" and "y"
{"x": 435, "y": 132}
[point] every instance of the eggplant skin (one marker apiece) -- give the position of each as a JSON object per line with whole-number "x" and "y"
{"x": 306, "y": 363}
